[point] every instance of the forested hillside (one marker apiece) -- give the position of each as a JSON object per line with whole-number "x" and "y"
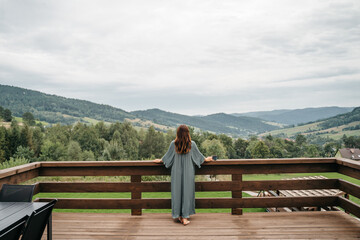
{"x": 334, "y": 127}
{"x": 55, "y": 109}
{"x": 297, "y": 116}
{"x": 342, "y": 119}
{"x": 248, "y": 124}
{"x": 218, "y": 123}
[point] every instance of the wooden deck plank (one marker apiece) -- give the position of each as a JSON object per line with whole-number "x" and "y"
{"x": 294, "y": 225}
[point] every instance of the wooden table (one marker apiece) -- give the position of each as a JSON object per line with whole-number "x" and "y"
{"x": 11, "y": 212}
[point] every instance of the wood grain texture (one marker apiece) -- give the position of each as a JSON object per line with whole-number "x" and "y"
{"x": 349, "y": 188}
{"x": 150, "y": 203}
{"x": 199, "y": 186}
{"x": 349, "y": 206}
{"x": 129, "y": 187}
{"x": 295, "y": 225}
{"x": 237, "y": 179}
{"x": 136, "y": 194}
{"x": 20, "y": 177}
{"x": 220, "y": 162}
{"x": 18, "y": 169}
{"x": 348, "y": 163}
{"x": 349, "y": 171}
{"x": 204, "y": 170}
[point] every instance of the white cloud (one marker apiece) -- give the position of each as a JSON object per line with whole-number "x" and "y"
{"x": 223, "y": 56}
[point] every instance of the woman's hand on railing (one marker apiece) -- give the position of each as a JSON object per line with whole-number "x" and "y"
{"x": 158, "y": 161}
{"x": 209, "y": 159}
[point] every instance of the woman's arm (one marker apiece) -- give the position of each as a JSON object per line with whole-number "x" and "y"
{"x": 209, "y": 159}
{"x": 157, "y": 161}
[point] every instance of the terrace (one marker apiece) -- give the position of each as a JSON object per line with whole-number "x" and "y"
{"x": 234, "y": 225}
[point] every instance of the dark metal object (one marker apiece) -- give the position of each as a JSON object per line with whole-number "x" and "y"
{"x": 16, "y": 193}
{"x": 36, "y": 224}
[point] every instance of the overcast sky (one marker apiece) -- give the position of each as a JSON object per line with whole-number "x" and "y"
{"x": 190, "y": 57}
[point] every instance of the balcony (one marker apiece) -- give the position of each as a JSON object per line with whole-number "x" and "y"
{"x": 234, "y": 225}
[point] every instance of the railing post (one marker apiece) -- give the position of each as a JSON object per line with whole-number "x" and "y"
{"x": 346, "y": 195}
{"x": 136, "y": 194}
{"x": 237, "y": 180}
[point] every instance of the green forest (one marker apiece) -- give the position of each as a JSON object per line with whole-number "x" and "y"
{"x": 54, "y": 109}
{"x": 30, "y": 142}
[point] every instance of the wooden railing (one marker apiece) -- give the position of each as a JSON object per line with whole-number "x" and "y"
{"x": 235, "y": 168}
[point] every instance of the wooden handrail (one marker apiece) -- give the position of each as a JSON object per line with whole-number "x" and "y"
{"x": 236, "y": 168}
{"x": 243, "y": 166}
{"x": 220, "y": 162}
{"x": 199, "y": 186}
{"x": 349, "y": 188}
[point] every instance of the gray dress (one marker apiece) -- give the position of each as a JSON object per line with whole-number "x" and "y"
{"x": 183, "y": 179}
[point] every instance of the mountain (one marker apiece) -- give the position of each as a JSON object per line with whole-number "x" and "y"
{"x": 334, "y": 127}
{"x": 218, "y": 123}
{"x": 54, "y": 109}
{"x": 242, "y": 123}
{"x": 297, "y": 116}
{"x": 342, "y": 119}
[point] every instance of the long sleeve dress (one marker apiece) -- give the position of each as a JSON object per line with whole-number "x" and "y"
{"x": 183, "y": 179}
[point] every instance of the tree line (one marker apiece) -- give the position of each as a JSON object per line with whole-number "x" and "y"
{"x": 122, "y": 141}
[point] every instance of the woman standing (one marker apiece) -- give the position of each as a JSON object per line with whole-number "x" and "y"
{"x": 182, "y": 157}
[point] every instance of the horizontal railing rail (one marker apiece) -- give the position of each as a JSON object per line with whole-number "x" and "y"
{"x": 199, "y": 186}
{"x": 235, "y": 168}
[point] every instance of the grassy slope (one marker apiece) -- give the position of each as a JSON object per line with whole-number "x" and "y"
{"x": 218, "y": 123}
{"x": 334, "y": 126}
{"x": 313, "y": 128}
{"x": 296, "y": 116}
{"x": 290, "y": 132}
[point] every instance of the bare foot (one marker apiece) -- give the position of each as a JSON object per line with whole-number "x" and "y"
{"x": 185, "y": 221}
{"x": 180, "y": 219}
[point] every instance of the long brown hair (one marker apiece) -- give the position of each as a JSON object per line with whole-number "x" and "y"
{"x": 182, "y": 140}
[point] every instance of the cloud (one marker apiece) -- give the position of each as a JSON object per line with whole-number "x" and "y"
{"x": 184, "y": 56}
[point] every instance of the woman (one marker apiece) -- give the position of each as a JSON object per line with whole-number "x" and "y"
{"x": 182, "y": 157}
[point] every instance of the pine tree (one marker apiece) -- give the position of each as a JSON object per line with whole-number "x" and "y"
{"x": 14, "y": 138}
{"x": 74, "y": 152}
{"x": 26, "y": 137}
{"x": 240, "y": 146}
{"x": 147, "y": 148}
{"x": 7, "y": 115}
{"x": 3, "y": 145}
{"x": 102, "y": 131}
{"x": 1, "y": 113}
{"x": 29, "y": 119}
{"x": 37, "y": 140}
{"x": 130, "y": 140}
{"x": 87, "y": 138}
{"x": 114, "y": 149}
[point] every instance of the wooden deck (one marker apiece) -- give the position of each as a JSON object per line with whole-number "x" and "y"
{"x": 295, "y": 225}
